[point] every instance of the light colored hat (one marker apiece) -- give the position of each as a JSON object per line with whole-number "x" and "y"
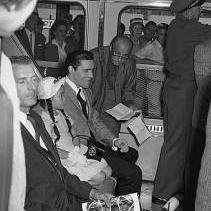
{"x": 49, "y": 86}
{"x": 136, "y": 20}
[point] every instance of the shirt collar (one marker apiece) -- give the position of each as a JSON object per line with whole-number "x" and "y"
{"x": 72, "y": 85}
{"x": 56, "y": 43}
{"x": 22, "y": 116}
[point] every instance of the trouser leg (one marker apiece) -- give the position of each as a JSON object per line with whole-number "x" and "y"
{"x": 178, "y": 109}
{"x": 129, "y": 176}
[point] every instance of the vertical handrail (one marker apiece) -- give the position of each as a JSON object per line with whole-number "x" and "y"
{"x": 101, "y": 23}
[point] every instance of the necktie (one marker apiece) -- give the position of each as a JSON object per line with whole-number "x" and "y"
{"x": 67, "y": 121}
{"x": 35, "y": 126}
{"x": 82, "y": 103}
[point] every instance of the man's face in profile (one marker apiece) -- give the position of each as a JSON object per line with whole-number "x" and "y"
{"x": 83, "y": 75}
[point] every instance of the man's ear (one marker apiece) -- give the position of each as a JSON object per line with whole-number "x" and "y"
{"x": 71, "y": 70}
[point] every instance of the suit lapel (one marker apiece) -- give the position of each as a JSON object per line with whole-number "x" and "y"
{"x": 70, "y": 94}
{"x": 22, "y": 36}
{"x": 46, "y": 137}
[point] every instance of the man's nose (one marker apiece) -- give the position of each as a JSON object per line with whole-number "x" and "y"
{"x": 91, "y": 74}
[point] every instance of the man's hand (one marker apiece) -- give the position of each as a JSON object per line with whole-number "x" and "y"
{"x": 122, "y": 144}
{"x": 97, "y": 195}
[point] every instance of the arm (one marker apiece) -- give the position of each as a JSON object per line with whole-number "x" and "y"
{"x": 83, "y": 190}
{"x": 129, "y": 86}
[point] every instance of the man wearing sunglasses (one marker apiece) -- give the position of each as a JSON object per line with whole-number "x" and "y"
{"x": 114, "y": 79}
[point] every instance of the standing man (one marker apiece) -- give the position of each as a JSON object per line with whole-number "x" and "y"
{"x": 49, "y": 185}
{"x": 30, "y": 39}
{"x": 114, "y": 79}
{"x": 78, "y": 104}
{"x": 184, "y": 33}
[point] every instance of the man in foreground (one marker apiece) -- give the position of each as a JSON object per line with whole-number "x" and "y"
{"x": 49, "y": 185}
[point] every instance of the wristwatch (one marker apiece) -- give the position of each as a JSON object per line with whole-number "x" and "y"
{"x": 114, "y": 148}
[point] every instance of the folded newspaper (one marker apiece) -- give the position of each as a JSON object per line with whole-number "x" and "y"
{"x": 121, "y": 112}
{"x": 129, "y": 202}
{"x": 139, "y": 129}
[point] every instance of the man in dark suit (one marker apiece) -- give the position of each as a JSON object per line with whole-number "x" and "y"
{"x": 49, "y": 185}
{"x": 32, "y": 41}
{"x": 78, "y": 104}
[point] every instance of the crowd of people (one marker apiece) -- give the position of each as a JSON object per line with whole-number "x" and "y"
{"x": 59, "y": 147}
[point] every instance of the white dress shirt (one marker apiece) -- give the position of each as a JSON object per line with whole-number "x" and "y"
{"x": 28, "y": 125}
{"x": 76, "y": 90}
{"x": 61, "y": 51}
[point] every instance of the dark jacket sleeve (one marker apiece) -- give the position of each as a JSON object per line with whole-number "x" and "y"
{"x": 76, "y": 187}
{"x": 200, "y": 32}
{"x": 129, "y": 87}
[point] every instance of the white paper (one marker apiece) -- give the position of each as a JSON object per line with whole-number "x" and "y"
{"x": 121, "y": 112}
{"x": 129, "y": 202}
{"x": 139, "y": 129}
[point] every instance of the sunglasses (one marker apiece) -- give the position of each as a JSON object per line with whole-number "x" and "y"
{"x": 121, "y": 56}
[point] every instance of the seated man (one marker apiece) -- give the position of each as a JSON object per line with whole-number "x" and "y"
{"x": 49, "y": 185}
{"x": 114, "y": 79}
{"x": 153, "y": 51}
{"x": 78, "y": 105}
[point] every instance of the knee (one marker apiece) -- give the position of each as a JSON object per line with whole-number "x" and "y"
{"x": 133, "y": 154}
{"x": 136, "y": 174}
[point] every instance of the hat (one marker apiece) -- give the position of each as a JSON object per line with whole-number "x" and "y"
{"x": 49, "y": 86}
{"x": 181, "y": 5}
{"x": 136, "y": 20}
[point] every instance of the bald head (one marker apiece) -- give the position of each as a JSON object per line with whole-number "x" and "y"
{"x": 121, "y": 47}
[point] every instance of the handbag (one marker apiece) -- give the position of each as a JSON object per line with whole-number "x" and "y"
{"x": 95, "y": 149}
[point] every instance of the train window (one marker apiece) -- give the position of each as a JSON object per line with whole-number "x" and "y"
{"x": 141, "y": 25}
{"x": 52, "y": 32}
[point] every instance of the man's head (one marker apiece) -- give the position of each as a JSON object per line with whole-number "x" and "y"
{"x": 32, "y": 21}
{"x": 120, "y": 49}
{"x": 161, "y": 33}
{"x": 190, "y": 9}
{"x": 26, "y": 82}
{"x": 149, "y": 31}
{"x": 79, "y": 65}
{"x": 13, "y": 13}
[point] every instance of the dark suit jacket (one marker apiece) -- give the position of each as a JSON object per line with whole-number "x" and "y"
{"x": 39, "y": 46}
{"x": 81, "y": 125}
{"x": 49, "y": 185}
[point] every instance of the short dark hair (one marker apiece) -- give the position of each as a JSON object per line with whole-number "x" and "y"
{"x": 56, "y": 24}
{"x": 21, "y": 60}
{"x": 163, "y": 26}
{"x": 152, "y": 23}
{"x": 74, "y": 58}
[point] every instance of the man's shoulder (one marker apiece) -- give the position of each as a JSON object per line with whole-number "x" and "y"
{"x": 101, "y": 52}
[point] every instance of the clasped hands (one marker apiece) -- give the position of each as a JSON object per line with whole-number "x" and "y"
{"x": 97, "y": 195}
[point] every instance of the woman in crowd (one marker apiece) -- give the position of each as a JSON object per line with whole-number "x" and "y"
{"x": 59, "y": 126}
{"x": 57, "y": 49}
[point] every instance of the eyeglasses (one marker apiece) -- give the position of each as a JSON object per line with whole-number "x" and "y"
{"x": 121, "y": 56}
